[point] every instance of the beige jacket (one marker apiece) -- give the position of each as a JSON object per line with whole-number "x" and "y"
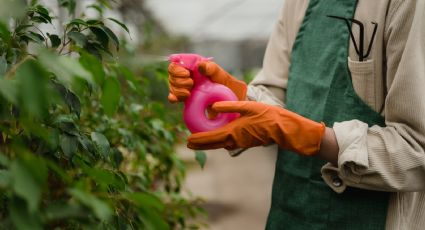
{"x": 392, "y": 82}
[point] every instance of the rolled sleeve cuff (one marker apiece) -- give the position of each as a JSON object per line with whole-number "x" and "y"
{"x": 352, "y": 157}
{"x": 262, "y": 94}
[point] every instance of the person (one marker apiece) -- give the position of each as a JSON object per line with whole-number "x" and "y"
{"x": 349, "y": 123}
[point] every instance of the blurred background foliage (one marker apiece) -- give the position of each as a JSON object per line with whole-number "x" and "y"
{"x": 86, "y": 138}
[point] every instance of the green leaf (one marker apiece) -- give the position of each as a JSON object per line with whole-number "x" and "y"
{"x": 34, "y": 90}
{"x": 69, "y": 144}
{"x": 151, "y": 208}
{"x": 65, "y": 68}
{"x": 94, "y": 22}
{"x": 54, "y": 40}
{"x": 111, "y": 35}
{"x": 116, "y": 158}
{"x": 29, "y": 177}
{"x": 201, "y": 158}
{"x": 101, "y": 35}
{"x": 100, "y": 208}
{"x": 4, "y": 32}
{"x": 79, "y": 38}
{"x": 96, "y": 7}
{"x": 102, "y": 144}
{"x": 74, "y": 103}
{"x": 22, "y": 218}
{"x": 9, "y": 90}
{"x": 39, "y": 14}
{"x": 105, "y": 178}
{"x": 22, "y": 27}
{"x": 35, "y": 37}
{"x": 4, "y": 160}
{"x": 5, "y": 178}
{"x": 69, "y": 98}
{"x": 57, "y": 211}
{"x": 78, "y": 22}
{"x": 145, "y": 200}
{"x": 111, "y": 94}
{"x": 94, "y": 65}
{"x": 86, "y": 144}
{"x": 129, "y": 75}
{"x": 120, "y": 24}
{"x": 3, "y": 65}
{"x": 66, "y": 125}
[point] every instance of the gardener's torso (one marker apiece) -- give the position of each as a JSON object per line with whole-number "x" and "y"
{"x": 322, "y": 86}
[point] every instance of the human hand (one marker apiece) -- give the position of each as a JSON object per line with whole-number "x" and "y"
{"x": 181, "y": 82}
{"x": 261, "y": 124}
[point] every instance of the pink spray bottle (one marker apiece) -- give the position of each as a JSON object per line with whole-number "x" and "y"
{"x": 203, "y": 94}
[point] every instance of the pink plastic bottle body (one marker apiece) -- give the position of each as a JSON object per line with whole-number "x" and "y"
{"x": 203, "y": 94}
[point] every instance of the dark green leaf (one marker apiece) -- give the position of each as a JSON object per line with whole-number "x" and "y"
{"x": 102, "y": 144}
{"x": 22, "y": 27}
{"x": 150, "y": 207}
{"x": 68, "y": 127}
{"x": 111, "y": 94}
{"x": 86, "y": 144}
{"x": 57, "y": 211}
{"x": 69, "y": 144}
{"x": 73, "y": 102}
{"x": 78, "y": 22}
{"x": 69, "y": 98}
{"x": 111, "y": 36}
{"x": 3, "y": 65}
{"x": 145, "y": 200}
{"x": 105, "y": 178}
{"x": 22, "y": 218}
{"x": 121, "y": 24}
{"x": 5, "y": 178}
{"x": 101, "y": 35}
{"x": 55, "y": 40}
{"x": 201, "y": 158}
{"x": 116, "y": 158}
{"x": 44, "y": 13}
{"x": 153, "y": 220}
{"x": 94, "y": 65}
{"x": 35, "y": 37}
{"x": 96, "y": 7}
{"x": 99, "y": 207}
{"x": 39, "y": 19}
{"x": 29, "y": 176}
{"x": 65, "y": 68}
{"x": 34, "y": 91}
{"x": 79, "y": 38}
{"x": 9, "y": 90}
{"x": 39, "y": 14}
{"x": 94, "y": 22}
{"x": 4, "y": 32}
{"x": 4, "y": 160}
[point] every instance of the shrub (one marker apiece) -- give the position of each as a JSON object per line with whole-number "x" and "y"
{"x": 83, "y": 144}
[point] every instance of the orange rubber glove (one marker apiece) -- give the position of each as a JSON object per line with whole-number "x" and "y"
{"x": 261, "y": 124}
{"x": 181, "y": 83}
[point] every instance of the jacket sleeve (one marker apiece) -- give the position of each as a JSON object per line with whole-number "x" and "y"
{"x": 269, "y": 85}
{"x": 390, "y": 158}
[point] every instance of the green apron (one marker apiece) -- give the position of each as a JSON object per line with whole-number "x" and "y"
{"x": 320, "y": 88}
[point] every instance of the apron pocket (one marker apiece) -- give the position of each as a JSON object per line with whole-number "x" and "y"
{"x": 363, "y": 80}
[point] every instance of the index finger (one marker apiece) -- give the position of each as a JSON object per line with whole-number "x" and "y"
{"x": 178, "y": 71}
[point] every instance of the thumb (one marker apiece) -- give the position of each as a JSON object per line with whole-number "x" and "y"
{"x": 241, "y": 107}
{"x": 213, "y": 71}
